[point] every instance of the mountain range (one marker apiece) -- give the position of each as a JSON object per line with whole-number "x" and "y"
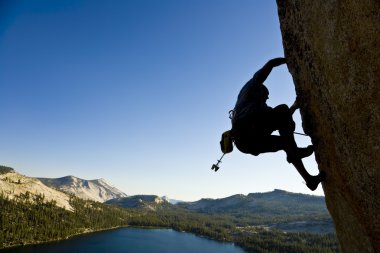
{"x": 277, "y": 209}
{"x": 277, "y": 202}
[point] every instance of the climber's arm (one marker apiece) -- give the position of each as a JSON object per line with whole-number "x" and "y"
{"x": 262, "y": 74}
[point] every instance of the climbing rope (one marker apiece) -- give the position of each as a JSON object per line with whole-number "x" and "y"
{"x": 301, "y": 134}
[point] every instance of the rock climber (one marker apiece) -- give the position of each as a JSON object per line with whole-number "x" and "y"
{"x": 253, "y": 122}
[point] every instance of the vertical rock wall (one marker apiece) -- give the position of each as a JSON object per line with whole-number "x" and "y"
{"x": 333, "y": 53}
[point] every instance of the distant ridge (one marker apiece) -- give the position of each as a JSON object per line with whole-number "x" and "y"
{"x": 274, "y": 202}
{"x": 96, "y": 190}
{"x": 150, "y": 202}
{"x": 172, "y": 201}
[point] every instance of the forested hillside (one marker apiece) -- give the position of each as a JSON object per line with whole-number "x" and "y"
{"x": 24, "y": 222}
{"x": 256, "y": 222}
{"x": 30, "y": 219}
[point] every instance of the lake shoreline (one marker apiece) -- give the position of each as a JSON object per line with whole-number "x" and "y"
{"x": 86, "y": 231}
{"x": 93, "y": 231}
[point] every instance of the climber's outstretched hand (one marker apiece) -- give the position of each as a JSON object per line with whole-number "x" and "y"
{"x": 277, "y": 61}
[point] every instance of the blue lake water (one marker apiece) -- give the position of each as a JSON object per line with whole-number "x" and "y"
{"x": 133, "y": 240}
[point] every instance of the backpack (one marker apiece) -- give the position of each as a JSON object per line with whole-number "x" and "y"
{"x": 226, "y": 142}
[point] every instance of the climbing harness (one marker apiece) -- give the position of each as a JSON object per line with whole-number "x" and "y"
{"x": 231, "y": 114}
{"x": 226, "y": 143}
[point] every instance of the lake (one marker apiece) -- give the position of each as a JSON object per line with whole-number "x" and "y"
{"x": 132, "y": 240}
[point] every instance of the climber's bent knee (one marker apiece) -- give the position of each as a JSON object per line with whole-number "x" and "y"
{"x": 282, "y": 120}
{"x": 259, "y": 145}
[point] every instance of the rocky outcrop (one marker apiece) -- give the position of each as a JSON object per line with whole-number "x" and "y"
{"x": 97, "y": 190}
{"x": 333, "y": 53}
{"x": 13, "y": 185}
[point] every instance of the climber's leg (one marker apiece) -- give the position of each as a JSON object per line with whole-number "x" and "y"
{"x": 255, "y": 137}
{"x": 266, "y": 144}
{"x": 295, "y": 155}
{"x": 312, "y": 182}
{"x": 282, "y": 121}
{"x": 275, "y": 143}
{"x": 294, "y": 106}
{"x": 255, "y": 145}
{"x": 286, "y": 126}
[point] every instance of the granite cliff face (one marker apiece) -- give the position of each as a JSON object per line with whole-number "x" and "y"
{"x": 333, "y": 53}
{"x": 96, "y": 190}
{"x": 13, "y": 184}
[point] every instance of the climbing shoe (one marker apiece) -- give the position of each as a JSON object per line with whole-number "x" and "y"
{"x": 301, "y": 153}
{"x": 305, "y": 152}
{"x": 314, "y": 181}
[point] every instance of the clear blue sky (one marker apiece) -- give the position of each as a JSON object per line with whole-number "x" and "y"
{"x": 138, "y": 92}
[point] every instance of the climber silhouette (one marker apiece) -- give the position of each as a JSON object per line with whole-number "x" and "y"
{"x": 253, "y": 122}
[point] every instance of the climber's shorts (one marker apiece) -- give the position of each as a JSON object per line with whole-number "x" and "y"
{"x": 254, "y": 136}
